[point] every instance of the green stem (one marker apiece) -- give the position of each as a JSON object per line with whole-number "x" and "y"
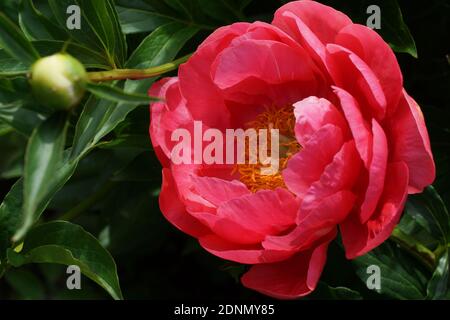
{"x": 418, "y": 250}
{"x": 136, "y": 74}
{"x": 88, "y": 203}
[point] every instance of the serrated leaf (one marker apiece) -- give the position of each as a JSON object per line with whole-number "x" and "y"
{"x": 65, "y": 243}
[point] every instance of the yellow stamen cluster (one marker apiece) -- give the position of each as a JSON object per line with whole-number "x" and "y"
{"x": 282, "y": 119}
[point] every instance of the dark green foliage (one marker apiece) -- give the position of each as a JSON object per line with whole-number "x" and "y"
{"x": 95, "y": 166}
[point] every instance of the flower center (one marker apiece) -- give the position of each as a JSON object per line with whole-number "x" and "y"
{"x": 253, "y": 175}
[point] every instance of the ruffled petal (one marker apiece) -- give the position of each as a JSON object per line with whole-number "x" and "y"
{"x": 341, "y": 174}
{"x": 175, "y": 211}
{"x": 217, "y": 191}
{"x": 312, "y": 114}
{"x": 377, "y": 54}
{"x": 291, "y": 278}
{"x": 411, "y": 144}
{"x": 358, "y": 238}
{"x": 264, "y": 72}
{"x": 358, "y": 126}
{"x": 307, "y": 166}
{"x": 352, "y": 74}
{"x": 377, "y": 172}
{"x": 195, "y": 78}
{"x": 330, "y": 212}
{"x": 247, "y": 254}
{"x": 312, "y": 24}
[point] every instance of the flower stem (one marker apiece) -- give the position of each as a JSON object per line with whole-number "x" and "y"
{"x": 418, "y": 250}
{"x": 136, "y": 74}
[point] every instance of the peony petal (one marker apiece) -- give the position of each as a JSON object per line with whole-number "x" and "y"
{"x": 196, "y": 83}
{"x": 306, "y": 167}
{"x": 292, "y": 278}
{"x": 247, "y": 254}
{"x": 218, "y": 191}
{"x": 341, "y": 174}
{"x": 331, "y": 211}
{"x": 358, "y": 239}
{"x": 357, "y": 124}
{"x": 377, "y": 172}
{"x": 312, "y": 24}
{"x": 250, "y": 218}
{"x": 267, "y": 212}
{"x": 166, "y": 116}
{"x": 229, "y": 230}
{"x": 352, "y": 74}
{"x": 377, "y": 54}
{"x": 312, "y": 114}
{"x": 174, "y": 210}
{"x": 264, "y": 69}
{"x": 411, "y": 144}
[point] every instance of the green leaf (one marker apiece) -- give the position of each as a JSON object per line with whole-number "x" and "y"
{"x": 400, "y": 278}
{"x": 89, "y": 58}
{"x": 10, "y": 216}
{"x": 103, "y": 19}
{"x": 14, "y": 42}
{"x": 161, "y": 46}
{"x": 19, "y": 117}
{"x": 429, "y": 211}
{"x": 85, "y": 35}
{"x": 140, "y": 16}
{"x": 110, "y": 93}
{"x": 394, "y": 30}
{"x": 65, "y": 243}
{"x": 11, "y": 210}
{"x": 43, "y": 157}
{"x": 439, "y": 285}
{"x": 100, "y": 117}
{"x": 135, "y": 20}
{"x": 36, "y": 26}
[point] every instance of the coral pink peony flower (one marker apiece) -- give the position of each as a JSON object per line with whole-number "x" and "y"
{"x": 354, "y": 144}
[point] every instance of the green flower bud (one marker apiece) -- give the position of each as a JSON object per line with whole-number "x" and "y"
{"x": 58, "y": 81}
